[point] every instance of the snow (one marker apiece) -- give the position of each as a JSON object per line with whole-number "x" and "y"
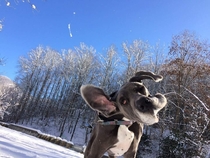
{"x": 14, "y": 144}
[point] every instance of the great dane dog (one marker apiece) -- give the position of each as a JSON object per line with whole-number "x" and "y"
{"x": 129, "y": 108}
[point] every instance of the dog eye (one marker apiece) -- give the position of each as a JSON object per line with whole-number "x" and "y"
{"x": 123, "y": 101}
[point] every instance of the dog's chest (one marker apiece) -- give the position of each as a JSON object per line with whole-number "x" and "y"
{"x": 125, "y": 138}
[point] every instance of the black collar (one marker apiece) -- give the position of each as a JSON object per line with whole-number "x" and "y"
{"x": 113, "y": 120}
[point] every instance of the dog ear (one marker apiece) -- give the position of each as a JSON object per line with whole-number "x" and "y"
{"x": 139, "y": 76}
{"x": 97, "y": 99}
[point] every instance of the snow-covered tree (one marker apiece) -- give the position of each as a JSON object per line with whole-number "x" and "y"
{"x": 136, "y": 55}
{"x": 9, "y": 96}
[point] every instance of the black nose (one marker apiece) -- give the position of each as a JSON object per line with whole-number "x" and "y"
{"x": 144, "y": 104}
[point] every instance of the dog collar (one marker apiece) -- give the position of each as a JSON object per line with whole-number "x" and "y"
{"x": 120, "y": 120}
{"x": 115, "y": 122}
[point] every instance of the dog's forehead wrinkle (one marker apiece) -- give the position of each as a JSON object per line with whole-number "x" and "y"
{"x": 128, "y": 89}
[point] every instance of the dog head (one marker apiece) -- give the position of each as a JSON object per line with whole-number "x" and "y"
{"x": 133, "y": 99}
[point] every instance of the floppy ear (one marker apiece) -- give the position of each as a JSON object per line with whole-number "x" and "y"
{"x": 97, "y": 99}
{"x": 139, "y": 76}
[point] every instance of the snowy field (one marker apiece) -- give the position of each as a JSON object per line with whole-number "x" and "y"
{"x": 14, "y": 144}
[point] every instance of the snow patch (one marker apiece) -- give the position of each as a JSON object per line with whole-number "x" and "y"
{"x": 14, "y": 144}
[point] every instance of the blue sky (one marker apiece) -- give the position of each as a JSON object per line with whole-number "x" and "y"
{"x": 97, "y": 23}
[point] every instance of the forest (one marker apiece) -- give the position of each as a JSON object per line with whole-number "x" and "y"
{"x": 48, "y": 83}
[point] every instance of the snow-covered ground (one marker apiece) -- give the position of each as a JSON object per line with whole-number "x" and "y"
{"x": 14, "y": 144}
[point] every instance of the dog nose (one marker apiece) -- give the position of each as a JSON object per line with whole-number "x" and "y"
{"x": 144, "y": 104}
{"x": 148, "y": 100}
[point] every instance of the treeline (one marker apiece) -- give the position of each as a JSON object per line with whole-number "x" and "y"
{"x": 50, "y": 80}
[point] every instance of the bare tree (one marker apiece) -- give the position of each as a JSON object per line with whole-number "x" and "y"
{"x": 136, "y": 54}
{"x": 109, "y": 70}
{"x": 83, "y": 66}
{"x": 9, "y": 96}
{"x": 187, "y": 69}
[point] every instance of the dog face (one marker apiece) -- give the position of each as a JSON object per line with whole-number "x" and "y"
{"x": 135, "y": 102}
{"x": 132, "y": 100}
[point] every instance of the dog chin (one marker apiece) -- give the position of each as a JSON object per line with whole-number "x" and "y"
{"x": 148, "y": 119}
